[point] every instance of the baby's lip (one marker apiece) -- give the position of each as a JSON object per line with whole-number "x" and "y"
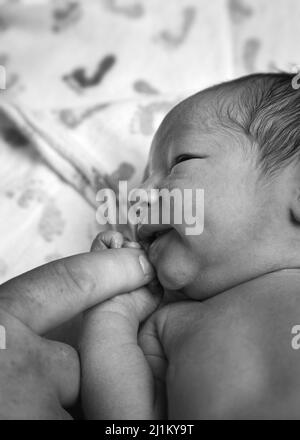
{"x": 148, "y": 232}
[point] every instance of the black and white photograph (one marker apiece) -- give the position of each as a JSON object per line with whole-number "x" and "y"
{"x": 149, "y": 213}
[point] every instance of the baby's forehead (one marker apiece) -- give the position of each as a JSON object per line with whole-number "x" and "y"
{"x": 197, "y": 116}
{"x": 198, "y": 120}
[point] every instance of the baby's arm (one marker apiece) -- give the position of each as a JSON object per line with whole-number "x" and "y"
{"x": 117, "y": 381}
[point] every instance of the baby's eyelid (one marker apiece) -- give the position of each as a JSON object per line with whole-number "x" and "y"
{"x": 185, "y": 157}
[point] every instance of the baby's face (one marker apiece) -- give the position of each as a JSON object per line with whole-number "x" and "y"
{"x": 192, "y": 150}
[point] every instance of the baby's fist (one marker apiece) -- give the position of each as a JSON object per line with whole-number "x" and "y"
{"x": 112, "y": 240}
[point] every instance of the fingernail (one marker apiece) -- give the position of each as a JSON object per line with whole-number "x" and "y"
{"x": 146, "y": 266}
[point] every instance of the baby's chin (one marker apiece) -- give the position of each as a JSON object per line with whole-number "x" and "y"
{"x": 176, "y": 273}
{"x": 176, "y": 266}
{"x": 181, "y": 274}
{"x": 172, "y": 282}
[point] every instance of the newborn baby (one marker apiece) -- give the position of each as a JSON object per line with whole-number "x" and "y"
{"x": 219, "y": 344}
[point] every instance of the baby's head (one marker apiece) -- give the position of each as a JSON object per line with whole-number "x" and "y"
{"x": 240, "y": 142}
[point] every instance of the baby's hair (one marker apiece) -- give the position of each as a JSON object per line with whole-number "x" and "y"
{"x": 266, "y": 107}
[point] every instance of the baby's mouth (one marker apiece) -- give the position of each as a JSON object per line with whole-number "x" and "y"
{"x": 148, "y": 233}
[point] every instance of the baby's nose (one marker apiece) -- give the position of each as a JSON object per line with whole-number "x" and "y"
{"x": 143, "y": 196}
{"x": 147, "y": 192}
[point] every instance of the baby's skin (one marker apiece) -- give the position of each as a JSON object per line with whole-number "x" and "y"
{"x": 222, "y": 348}
{"x": 227, "y": 357}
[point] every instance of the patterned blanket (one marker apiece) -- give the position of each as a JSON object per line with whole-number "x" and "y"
{"x": 87, "y": 84}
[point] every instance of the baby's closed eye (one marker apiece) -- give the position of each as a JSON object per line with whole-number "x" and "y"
{"x": 184, "y": 158}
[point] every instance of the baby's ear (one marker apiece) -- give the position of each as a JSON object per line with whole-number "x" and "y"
{"x": 295, "y": 205}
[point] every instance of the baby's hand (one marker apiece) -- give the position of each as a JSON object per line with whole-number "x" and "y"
{"x": 116, "y": 240}
{"x": 117, "y": 380}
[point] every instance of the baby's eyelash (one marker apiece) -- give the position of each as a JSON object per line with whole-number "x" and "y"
{"x": 184, "y": 158}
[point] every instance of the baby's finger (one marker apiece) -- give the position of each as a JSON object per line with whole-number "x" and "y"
{"x": 108, "y": 240}
{"x": 145, "y": 302}
{"x": 98, "y": 245}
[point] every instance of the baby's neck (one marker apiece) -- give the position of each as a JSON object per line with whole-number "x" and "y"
{"x": 286, "y": 281}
